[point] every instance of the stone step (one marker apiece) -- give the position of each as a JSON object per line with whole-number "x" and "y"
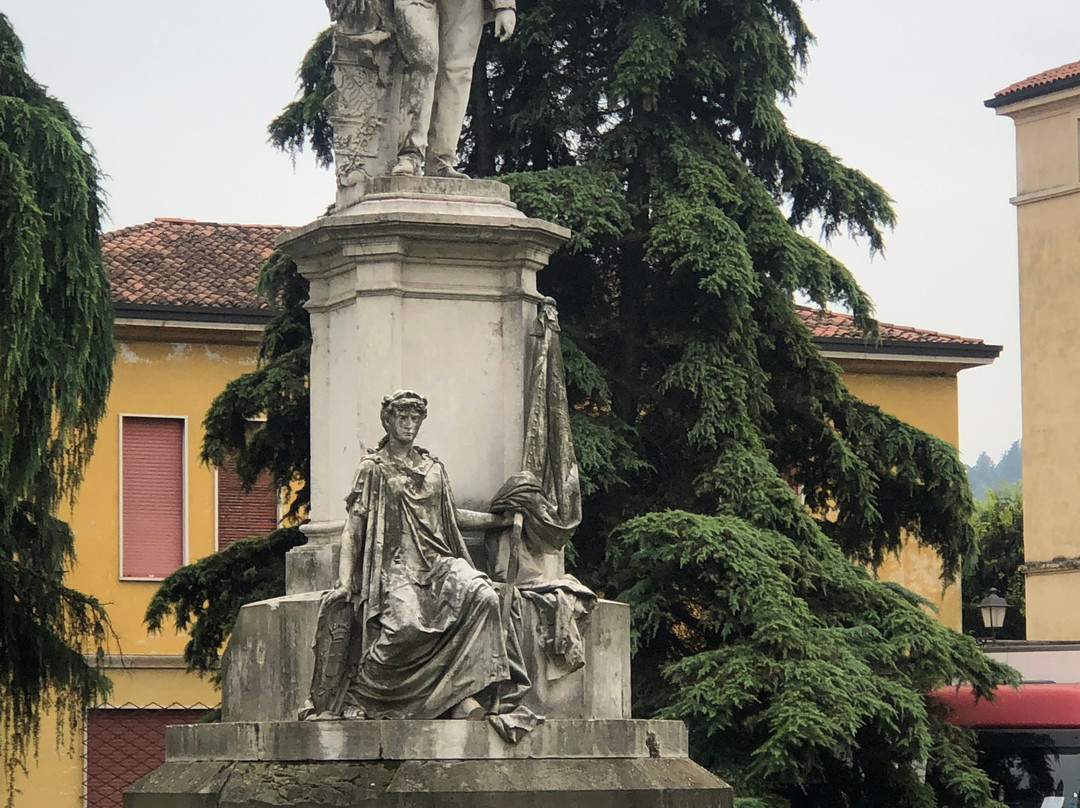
{"x": 348, "y": 740}
{"x": 596, "y": 783}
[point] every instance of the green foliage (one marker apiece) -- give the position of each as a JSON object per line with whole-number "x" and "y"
{"x": 999, "y": 525}
{"x": 588, "y": 199}
{"x": 55, "y": 369}
{"x": 986, "y": 475}
{"x": 276, "y": 391}
{"x": 206, "y": 596}
{"x": 700, "y": 403}
{"x": 784, "y": 647}
{"x": 305, "y": 120}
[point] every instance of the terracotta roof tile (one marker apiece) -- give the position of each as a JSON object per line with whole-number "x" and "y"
{"x": 830, "y": 324}
{"x": 183, "y": 262}
{"x": 1068, "y": 71}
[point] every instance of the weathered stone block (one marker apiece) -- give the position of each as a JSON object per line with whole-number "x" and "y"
{"x": 306, "y": 785}
{"x": 266, "y": 669}
{"x": 422, "y": 740}
{"x": 213, "y": 741}
{"x": 321, "y": 740}
{"x": 610, "y": 783}
{"x": 615, "y": 783}
{"x": 180, "y": 785}
{"x": 601, "y": 689}
{"x": 311, "y": 567}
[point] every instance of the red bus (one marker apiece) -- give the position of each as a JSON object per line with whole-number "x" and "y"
{"x": 1029, "y": 740}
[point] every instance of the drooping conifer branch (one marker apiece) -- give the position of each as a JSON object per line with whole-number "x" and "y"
{"x": 56, "y": 350}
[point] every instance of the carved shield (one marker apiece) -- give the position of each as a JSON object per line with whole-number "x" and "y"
{"x": 333, "y": 661}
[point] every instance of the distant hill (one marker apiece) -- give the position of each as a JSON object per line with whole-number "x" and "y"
{"x": 986, "y": 475}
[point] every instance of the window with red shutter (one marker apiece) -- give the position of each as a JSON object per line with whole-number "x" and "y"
{"x": 243, "y": 513}
{"x": 151, "y": 496}
{"x": 124, "y": 744}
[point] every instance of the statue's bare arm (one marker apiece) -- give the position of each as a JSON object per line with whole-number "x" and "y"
{"x": 354, "y": 525}
{"x": 481, "y": 520}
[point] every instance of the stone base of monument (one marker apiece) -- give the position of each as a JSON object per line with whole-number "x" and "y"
{"x": 443, "y": 764}
{"x": 588, "y": 752}
{"x": 266, "y": 669}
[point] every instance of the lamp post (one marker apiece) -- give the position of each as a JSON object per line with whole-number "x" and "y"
{"x": 993, "y": 608}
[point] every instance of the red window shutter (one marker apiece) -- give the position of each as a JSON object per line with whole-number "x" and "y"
{"x": 152, "y": 496}
{"x": 123, "y": 745}
{"x": 243, "y": 513}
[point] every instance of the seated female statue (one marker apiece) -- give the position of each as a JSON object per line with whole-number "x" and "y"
{"x": 413, "y": 629}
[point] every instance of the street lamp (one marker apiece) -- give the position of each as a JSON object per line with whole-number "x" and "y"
{"x": 993, "y": 608}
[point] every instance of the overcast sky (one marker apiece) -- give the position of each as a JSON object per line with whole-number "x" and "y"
{"x": 176, "y": 97}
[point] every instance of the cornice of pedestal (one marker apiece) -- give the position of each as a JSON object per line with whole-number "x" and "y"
{"x": 322, "y": 532}
{"x": 424, "y": 238}
{"x": 399, "y": 211}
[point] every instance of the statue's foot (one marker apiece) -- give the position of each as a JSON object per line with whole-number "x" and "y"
{"x": 468, "y": 709}
{"x": 447, "y": 171}
{"x": 325, "y": 715}
{"x": 407, "y": 165}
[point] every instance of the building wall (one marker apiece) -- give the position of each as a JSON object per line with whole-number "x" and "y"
{"x": 928, "y": 401}
{"x": 1048, "y": 228}
{"x": 55, "y": 777}
{"x": 1049, "y": 246}
{"x": 1051, "y": 605}
{"x": 151, "y": 377}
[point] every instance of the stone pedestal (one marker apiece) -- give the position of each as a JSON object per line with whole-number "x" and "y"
{"x": 612, "y": 783}
{"x": 441, "y": 764}
{"x": 266, "y": 670}
{"x": 427, "y": 284}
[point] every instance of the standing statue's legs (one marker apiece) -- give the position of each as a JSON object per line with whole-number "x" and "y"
{"x": 461, "y": 23}
{"x": 418, "y": 39}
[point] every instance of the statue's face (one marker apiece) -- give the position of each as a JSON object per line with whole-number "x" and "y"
{"x": 403, "y": 424}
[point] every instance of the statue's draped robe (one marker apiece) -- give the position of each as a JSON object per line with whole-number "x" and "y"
{"x": 429, "y": 621}
{"x": 548, "y": 494}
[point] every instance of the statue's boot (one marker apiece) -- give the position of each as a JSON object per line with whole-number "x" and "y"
{"x": 468, "y": 709}
{"x": 408, "y": 165}
{"x": 438, "y": 166}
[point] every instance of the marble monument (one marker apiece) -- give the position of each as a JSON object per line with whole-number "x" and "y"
{"x": 430, "y": 649}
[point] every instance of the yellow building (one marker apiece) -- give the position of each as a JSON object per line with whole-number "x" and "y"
{"x": 187, "y": 321}
{"x": 912, "y": 374}
{"x": 1031, "y": 734}
{"x": 1046, "y": 111}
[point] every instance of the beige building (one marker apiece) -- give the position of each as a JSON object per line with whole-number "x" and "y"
{"x": 1027, "y": 738}
{"x": 1046, "y": 111}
